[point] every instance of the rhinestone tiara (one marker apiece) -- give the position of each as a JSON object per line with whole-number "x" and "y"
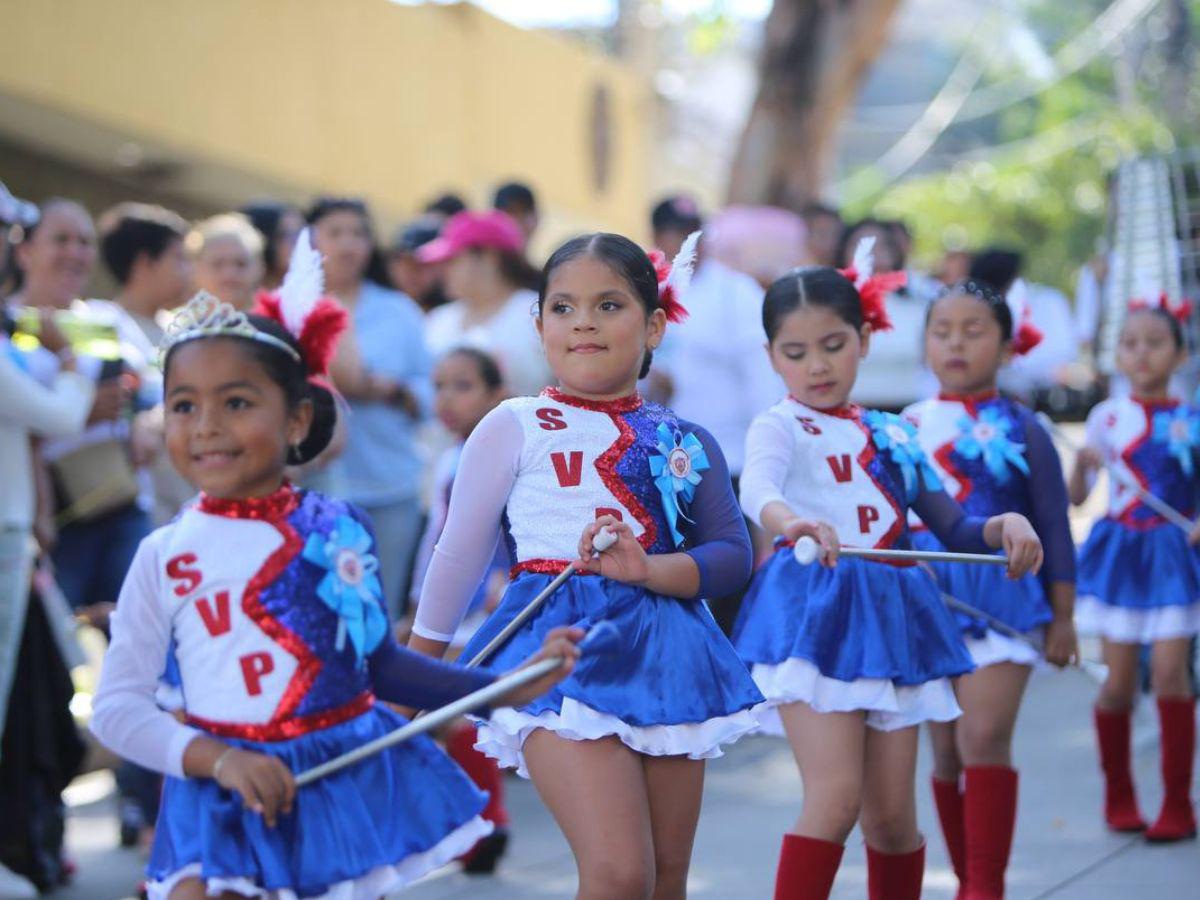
{"x": 207, "y": 316}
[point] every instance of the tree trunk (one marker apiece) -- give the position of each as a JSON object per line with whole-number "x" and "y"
{"x": 814, "y": 56}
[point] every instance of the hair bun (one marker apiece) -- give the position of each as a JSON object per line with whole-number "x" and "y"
{"x": 324, "y": 423}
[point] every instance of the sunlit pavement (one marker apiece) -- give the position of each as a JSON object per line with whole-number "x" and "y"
{"x": 752, "y": 795}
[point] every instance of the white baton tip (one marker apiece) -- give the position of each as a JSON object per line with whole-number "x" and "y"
{"x": 806, "y": 550}
{"x": 604, "y": 539}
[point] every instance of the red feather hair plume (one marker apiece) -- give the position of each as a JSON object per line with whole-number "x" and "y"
{"x": 1180, "y": 312}
{"x": 674, "y": 277}
{"x": 873, "y": 293}
{"x": 318, "y": 337}
{"x": 305, "y": 311}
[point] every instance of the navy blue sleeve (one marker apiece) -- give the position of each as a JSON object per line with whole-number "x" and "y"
{"x": 942, "y": 515}
{"x": 399, "y": 675}
{"x": 1048, "y": 504}
{"x": 718, "y": 541}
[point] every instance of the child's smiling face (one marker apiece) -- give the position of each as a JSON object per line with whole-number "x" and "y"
{"x": 228, "y": 425}
{"x": 595, "y": 329}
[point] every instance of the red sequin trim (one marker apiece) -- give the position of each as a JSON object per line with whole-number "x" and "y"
{"x": 606, "y": 465}
{"x": 308, "y": 664}
{"x": 970, "y": 401}
{"x": 845, "y": 411}
{"x": 287, "y": 729}
{"x": 1155, "y": 405}
{"x": 864, "y": 460}
{"x": 1149, "y": 407}
{"x": 942, "y": 455}
{"x": 542, "y": 567}
{"x": 624, "y": 404}
{"x": 277, "y": 505}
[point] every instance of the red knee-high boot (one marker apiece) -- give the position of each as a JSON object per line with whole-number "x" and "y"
{"x": 989, "y": 816}
{"x": 1120, "y": 802}
{"x": 1177, "y": 820}
{"x": 949, "y": 803}
{"x": 807, "y": 867}
{"x": 895, "y": 876}
{"x": 481, "y": 769}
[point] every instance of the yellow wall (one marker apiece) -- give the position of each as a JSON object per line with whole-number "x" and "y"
{"x": 363, "y": 97}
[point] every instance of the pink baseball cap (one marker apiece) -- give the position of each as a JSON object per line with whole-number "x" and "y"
{"x": 492, "y": 229}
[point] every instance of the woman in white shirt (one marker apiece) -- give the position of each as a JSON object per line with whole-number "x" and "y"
{"x": 491, "y": 283}
{"x": 41, "y": 751}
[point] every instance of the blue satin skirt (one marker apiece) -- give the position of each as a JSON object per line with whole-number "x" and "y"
{"x": 857, "y": 620}
{"x": 396, "y": 806}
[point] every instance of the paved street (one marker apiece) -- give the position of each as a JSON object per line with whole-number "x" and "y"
{"x": 1062, "y": 850}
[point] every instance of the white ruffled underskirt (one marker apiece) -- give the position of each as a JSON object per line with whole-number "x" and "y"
{"x": 1135, "y": 626}
{"x": 370, "y": 886}
{"x": 502, "y": 737}
{"x": 888, "y": 706}
{"x": 994, "y": 648}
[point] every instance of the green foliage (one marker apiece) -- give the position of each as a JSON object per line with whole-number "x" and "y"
{"x": 1040, "y": 187}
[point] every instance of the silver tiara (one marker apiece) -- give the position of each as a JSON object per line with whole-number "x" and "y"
{"x": 207, "y": 316}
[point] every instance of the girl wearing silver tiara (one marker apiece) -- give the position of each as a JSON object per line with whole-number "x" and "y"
{"x": 270, "y": 597}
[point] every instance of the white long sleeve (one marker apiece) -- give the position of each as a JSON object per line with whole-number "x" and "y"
{"x": 770, "y": 454}
{"x": 56, "y": 411}
{"x": 486, "y": 473}
{"x": 125, "y": 717}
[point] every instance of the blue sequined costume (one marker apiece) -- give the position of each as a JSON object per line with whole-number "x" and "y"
{"x": 993, "y": 457}
{"x": 1139, "y": 579}
{"x": 540, "y": 469}
{"x": 274, "y": 611}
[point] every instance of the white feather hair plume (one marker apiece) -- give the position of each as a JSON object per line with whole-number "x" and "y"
{"x": 864, "y": 260}
{"x": 303, "y": 285}
{"x": 1018, "y": 299}
{"x": 684, "y": 265}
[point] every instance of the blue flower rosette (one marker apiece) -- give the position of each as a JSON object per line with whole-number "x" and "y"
{"x": 676, "y": 468}
{"x": 351, "y": 586}
{"x": 987, "y": 438}
{"x": 1179, "y": 429}
{"x": 898, "y": 438}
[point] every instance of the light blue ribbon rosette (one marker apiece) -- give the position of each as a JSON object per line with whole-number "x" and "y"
{"x": 987, "y": 438}
{"x": 351, "y": 585}
{"x": 676, "y": 468}
{"x": 1179, "y": 429}
{"x": 898, "y": 438}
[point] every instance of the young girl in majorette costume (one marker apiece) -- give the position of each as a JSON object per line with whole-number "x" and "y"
{"x": 993, "y": 457}
{"x": 1139, "y": 575}
{"x": 270, "y": 599}
{"x": 617, "y": 751}
{"x": 854, "y": 654}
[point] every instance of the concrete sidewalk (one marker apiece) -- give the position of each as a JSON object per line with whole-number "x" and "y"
{"x": 1062, "y": 849}
{"x": 752, "y": 795}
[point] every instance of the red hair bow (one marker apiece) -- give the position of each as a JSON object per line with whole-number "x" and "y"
{"x": 1027, "y": 335}
{"x": 873, "y": 293}
{"x": 1181, "y": 312}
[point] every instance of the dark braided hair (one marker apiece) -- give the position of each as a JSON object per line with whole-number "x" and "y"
{"x": 985, "y": 293}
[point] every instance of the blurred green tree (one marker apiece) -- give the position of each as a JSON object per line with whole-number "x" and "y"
{"x": 1038, "y": 180}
